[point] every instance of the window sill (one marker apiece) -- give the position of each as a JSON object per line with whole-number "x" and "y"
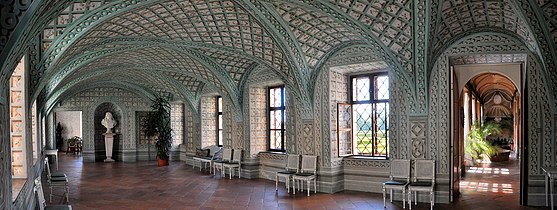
{"x": 363, "y": 157}
{"x": 274, "y": 152}
{"x": 17, "y": 186}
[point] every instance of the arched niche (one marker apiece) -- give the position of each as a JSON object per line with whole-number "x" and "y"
{"x": 100, "y": 150}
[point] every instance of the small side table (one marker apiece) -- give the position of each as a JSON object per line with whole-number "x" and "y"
{"x": 52, "y": 152}
{"x": 550, "y": 175}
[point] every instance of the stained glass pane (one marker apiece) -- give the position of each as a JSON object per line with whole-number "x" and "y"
{"x": 360, "y": 89}
{"x": 381, "y": 87}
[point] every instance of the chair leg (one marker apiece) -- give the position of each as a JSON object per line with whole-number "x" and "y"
{"x": 410, "y": 199}
{"x": 391, "y": 197}
{"x": 287, "y": 184}
{"x": 308, "y": 186}
{"x": 384, "y": 196}
{"x": 67, "y": 194}
{"x": 403, "y": 198}
{"x": 231, "y": 170}
{"x": 293, "y": 186}
{"x": 416, "y": 198}
{"x": 315, "y": 186}
{"x": 239, "y": 172}
{"x": 431, "y": 199}
{"x": 50, "y": 194}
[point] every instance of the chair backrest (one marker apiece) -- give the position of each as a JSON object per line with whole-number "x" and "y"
{"x": 213, "y": 149}
{"x": 309, "y": 164}
{"x": 47, "y": 166}
{"x": 40, "y": 194}
{"x": 227, "y": 154}
{"x": 424, "y": 170}
{"x": 237, "y": 157}
{"x": 400, "y": 169}
{"x": 293, "y": 162}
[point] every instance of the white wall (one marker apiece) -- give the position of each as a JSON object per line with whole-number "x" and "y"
{"x": 71, "y": 122}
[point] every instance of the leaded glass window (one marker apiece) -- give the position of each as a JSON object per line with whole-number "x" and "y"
{"x": 219, "y": 120}
{"x": 276, "y": 117}
{"x": 370, "y": 105}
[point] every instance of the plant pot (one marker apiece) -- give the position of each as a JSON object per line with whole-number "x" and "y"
{"x": 162, "y": 162}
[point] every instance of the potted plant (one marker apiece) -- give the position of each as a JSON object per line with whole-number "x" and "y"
{"x": 158, "y": 126}
{"x": 476, "y": 145}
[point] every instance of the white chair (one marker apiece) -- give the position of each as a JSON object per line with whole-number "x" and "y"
{"x": 307, "y": 173}
{"x": 292, "y": 167}
{"x": 423, "y": 181}
{"x": 42, "y": 202}
{"x": 58, "y": 182}
{"x": 236, "y": 162}
{"x": 226, "y": 158}
{"x": 207, "y": 160}
{"x": 399, "y": 179}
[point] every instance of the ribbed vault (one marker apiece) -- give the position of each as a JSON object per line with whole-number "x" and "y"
{"x": 459, "y": 17}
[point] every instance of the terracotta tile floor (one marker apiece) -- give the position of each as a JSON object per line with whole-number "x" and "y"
{"x": 143, "y": 185}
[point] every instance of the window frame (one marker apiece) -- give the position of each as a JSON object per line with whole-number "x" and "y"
{"x": 373, "y": 102}
{"x": 282, "y": 108}
{"x": 218, "y": 115}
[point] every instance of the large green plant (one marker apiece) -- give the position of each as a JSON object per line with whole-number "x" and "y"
{"x": 158, "y": 126}
{"x": 476, "y": 145}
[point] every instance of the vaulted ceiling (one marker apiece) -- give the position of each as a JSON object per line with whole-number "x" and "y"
{"x": 179, "y": 48}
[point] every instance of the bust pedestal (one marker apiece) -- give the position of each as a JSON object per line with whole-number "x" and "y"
{"x": 109, "y": 143}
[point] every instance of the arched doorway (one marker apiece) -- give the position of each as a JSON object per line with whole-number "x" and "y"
{"x": 100, "y": 149}
{"x": 484, "y": 96}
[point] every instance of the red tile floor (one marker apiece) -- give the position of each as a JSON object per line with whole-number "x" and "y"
{"x": 143, "y": 185}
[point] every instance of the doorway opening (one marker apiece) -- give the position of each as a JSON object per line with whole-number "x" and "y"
{"x": 487, "y": 106}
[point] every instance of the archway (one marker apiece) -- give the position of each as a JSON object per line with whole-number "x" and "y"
{"x": 488, "y": 95}
{"x": 98, "y": 142}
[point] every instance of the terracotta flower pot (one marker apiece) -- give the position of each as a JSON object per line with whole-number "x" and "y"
{"x": 162, "y": 162}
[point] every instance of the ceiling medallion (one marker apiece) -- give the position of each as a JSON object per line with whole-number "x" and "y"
{"x": 497, "y": 98}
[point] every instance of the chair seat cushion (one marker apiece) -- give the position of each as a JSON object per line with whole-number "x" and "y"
{"x": 57, "y": 174}
{"x": 202, "y": 158}
{"x": 286, "y": 172}
{"x": 222, "y": 161}
{"x": 59, "y": 179}
{"x": 393, "y": 182}
{"x": 304, "y": 174}
{"x": 420, "y": 184}
{"x": 58, "y": 207}
{"x": 201, "y": 152}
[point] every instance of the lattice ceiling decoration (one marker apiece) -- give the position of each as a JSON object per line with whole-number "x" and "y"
{"x": 316, "y": 32}
{"x": 461, "y": 16}
{"x": 140, "y": 78}
{"x": 74, "y": 11}
{"x": 389, "y": 21}
{"x": 236, "y": 65}
{"x": 549, "y": 8}
{"x": 156, "y": 58}
{"x": 214, "y": 22}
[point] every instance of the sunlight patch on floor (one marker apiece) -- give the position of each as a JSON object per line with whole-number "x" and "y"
{"x": 487, "y": 187}
{"x": 480, "y": 170}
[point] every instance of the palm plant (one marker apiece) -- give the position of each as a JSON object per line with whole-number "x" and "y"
{"x": 476, "y": 145}
{"x": 158, "y": 126}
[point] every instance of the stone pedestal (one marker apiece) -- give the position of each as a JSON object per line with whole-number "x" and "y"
{"x": 109, "y": 145}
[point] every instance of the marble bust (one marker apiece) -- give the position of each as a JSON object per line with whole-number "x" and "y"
{"x": 108, "y": 122}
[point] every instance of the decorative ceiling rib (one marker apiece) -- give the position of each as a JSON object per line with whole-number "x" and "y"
{"x": 215, "y": 22}
{"x": 150, "y": 57}
{"x": 71, "y": 13}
